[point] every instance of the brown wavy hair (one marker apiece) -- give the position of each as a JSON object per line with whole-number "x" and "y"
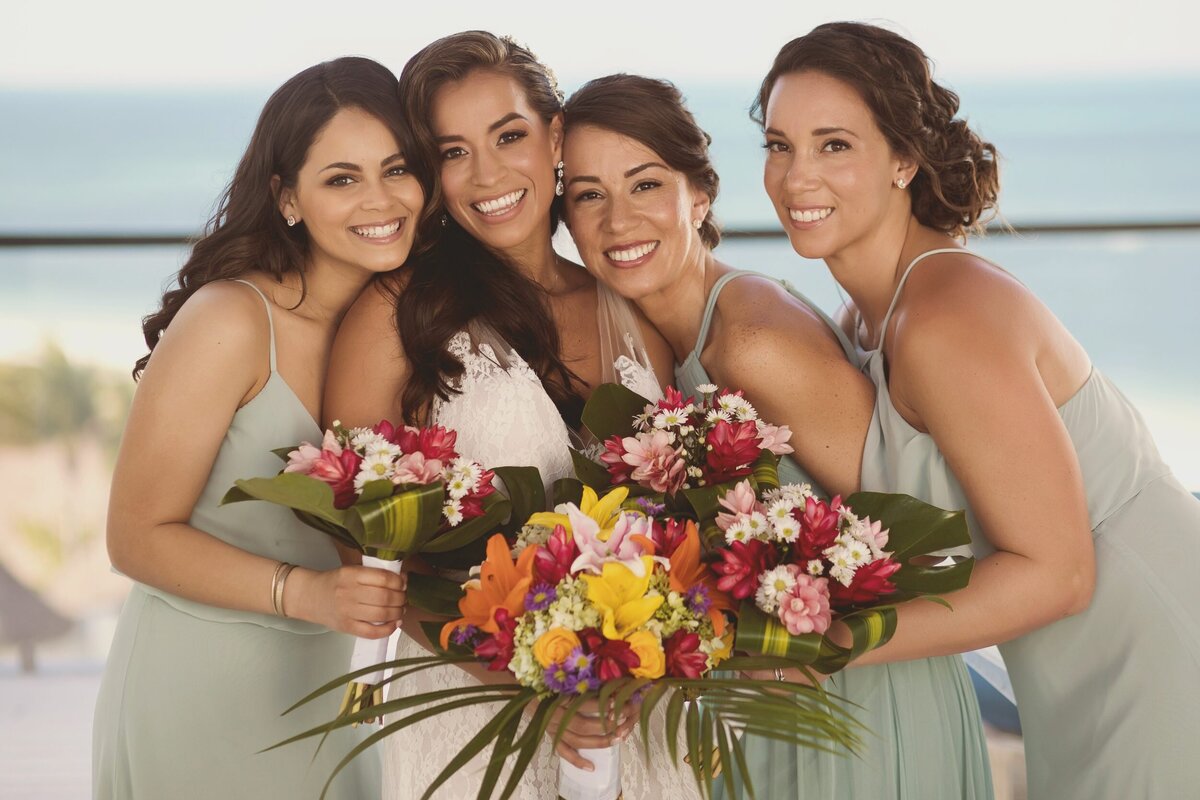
{"x": 957, "y": 183}
{"x": 459, "y": 280}
{"x": 651, "y": 112}
{"x": 246, "y": 232}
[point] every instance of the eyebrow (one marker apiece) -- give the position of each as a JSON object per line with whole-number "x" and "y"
{"x": 628, "y": 173}
{"x": 356, "y": 168}
{"x": 500, "y": 123}
{"x": 816, "y": 132}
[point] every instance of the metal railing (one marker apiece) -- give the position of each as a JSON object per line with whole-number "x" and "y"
{"x": 134, "y": 239}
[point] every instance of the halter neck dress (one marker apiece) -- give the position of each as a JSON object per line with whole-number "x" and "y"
{"x": 191, "y": 692}
{"x": 1110, "y": 698}
{"x": 925, "y": 741}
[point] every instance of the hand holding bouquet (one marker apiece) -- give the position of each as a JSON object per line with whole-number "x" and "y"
{"x": 387, "y": 492}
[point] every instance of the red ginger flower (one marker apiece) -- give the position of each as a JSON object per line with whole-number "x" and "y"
{"x": 613, "y": 459}
{"x": 497, "y": 649}
{"x": 741, "y": 564}
{"x": 433, "y": 442}
{"x": 870, "y": 582}
{"x": 338, "y": 470}
{"x": 553, "y": 560}
{"x": 673, "y": 399}
{"x": 818, "y": 527}
{"x": 684, "y": 659}
{"x": 614, "y": 658}
{"x": 734, "y": 447}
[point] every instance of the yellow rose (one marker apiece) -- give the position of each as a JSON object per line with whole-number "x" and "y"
{"x": 553, "y": 646}
{"x": 647, "y": 647}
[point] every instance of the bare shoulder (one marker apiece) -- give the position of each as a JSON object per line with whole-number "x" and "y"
{"x": 224, "y": 319}
{"x": 760, "y": 321}
{"x": 373, "y": 314}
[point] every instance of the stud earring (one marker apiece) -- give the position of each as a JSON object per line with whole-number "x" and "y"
{"x": 291, "y": 221}
{"x": 558, "y": 187}
{"x": 696, "y": 223}
{"x": 901, "y": 183}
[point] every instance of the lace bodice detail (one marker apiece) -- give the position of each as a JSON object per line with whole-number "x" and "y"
{"x": 502, "y": 413}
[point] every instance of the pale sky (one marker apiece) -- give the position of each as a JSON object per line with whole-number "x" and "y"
{"x": 129, "y": 43}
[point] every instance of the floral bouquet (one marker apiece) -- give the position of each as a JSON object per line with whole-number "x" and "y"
{"x": 388, "y": 492}
{"x": 603, "y": 603}
{"x": 791, "y": 562}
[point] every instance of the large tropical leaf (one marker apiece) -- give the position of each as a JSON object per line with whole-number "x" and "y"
{"x": 526, "y": 493}
{"x": 611, "y": 409}
{"x": 496, "y": 509}
{"x": 590, "y": 473}
{"x": 398, "y": 525}
{"x": 434, "y": 594}
{"x": 298, "y": 492}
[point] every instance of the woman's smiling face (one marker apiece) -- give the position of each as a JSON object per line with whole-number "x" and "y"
{"x": 497, "y": 159}
{"x": 632, "y": 217}
{"x": 829, "y": 171}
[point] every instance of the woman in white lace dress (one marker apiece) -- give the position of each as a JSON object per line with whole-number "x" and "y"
{"x": 491, "y": 333}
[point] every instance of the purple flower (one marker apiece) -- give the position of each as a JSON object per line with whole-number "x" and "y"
{"x": 540, "y": 596}
{"x": 649, "y": 507}
{"x": 464, "y": 635}
{"x": 697, "y": 599}
{"x": 559, "y": 679}
{"x": 581, "y": 682}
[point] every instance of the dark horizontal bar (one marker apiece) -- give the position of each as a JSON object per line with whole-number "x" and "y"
{"x": 165, "y": 239}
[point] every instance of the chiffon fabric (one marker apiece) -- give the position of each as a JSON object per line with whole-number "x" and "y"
{"x": 1110, "y": 698}
{"x": 924, "y": 739}
{"x": 192, "y": 693}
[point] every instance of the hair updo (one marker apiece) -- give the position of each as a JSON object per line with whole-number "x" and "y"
{"x": 958, "y": 179}
{"x": 652, "y": 113}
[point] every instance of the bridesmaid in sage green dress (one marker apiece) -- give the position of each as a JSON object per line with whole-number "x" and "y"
{"x": 207, "y": 654}
{"x": 1087, "y": 543}
{"x": 640, "y": 215}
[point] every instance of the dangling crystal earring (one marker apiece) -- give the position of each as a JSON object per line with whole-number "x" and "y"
{"x": 291, "y": 221}
{"x": 444, "y": 220}
{"x": 558, "y": 187}
{"x": 901, "y": 183}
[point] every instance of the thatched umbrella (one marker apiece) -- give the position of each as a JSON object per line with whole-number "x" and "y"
{"x": 25, "y": 619}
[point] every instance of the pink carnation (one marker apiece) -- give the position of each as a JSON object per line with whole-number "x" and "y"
{"x": 655, "y": 462}
{"x": 415, "y": 468}
{"x": 805, "y": 608}
{"x": 741, "y": 501}
{"x": 774, "y": 438}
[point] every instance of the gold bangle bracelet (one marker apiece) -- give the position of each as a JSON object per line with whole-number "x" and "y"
{"x": 277, "y": 580}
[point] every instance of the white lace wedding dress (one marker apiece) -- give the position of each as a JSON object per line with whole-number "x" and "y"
{"x": 504, "y": 417}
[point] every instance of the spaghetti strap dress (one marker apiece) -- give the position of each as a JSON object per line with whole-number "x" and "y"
{"x": 1109, "y": 698}
{"x": 192, "y": 693}
{"x": 924, "y": 739}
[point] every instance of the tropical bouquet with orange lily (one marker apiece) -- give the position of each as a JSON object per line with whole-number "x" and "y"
{"x": 388, "y": 491}
{"x": 606, "y": 604}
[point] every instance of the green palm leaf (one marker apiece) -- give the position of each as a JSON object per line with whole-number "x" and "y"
{"x": 611, "y": 409}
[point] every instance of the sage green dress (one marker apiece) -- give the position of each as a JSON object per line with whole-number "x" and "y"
{"x": 191, "y": 692}
{"x": 1110, "y": 698}
{"x": 924, "y": 741}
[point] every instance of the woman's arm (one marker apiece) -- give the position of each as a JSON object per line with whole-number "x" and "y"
{"x": 965, "y": 367}
{"x": 793, "y": 370}
{"x": 212, "y": 360}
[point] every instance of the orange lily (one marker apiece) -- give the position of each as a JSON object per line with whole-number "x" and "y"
{"x": 501, "y": 584}
{"x": 687, "y": 570}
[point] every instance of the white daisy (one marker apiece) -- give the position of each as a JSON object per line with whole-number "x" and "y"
{"x": 670, "y": 418}
{"x": 772, "y": 586}
{"x": 815, "y": 567}
{"x": 842, "y": 575}
{"x": 717, "y": 415}
{"x": 373, "y": 468}
{"x": 706, "y": 388}
{"x": 737, "y": 532}
{"x": 858, "y": 552}
{"x": 785, "y": 530}
{"x": 757, "y": 525}
{"x": 780, "y": 510}
{"x": 739, "y": 407}
{"x": 457, "y": 487}
{"x": 362, "y": 438}
{"x": 452, "y": 511}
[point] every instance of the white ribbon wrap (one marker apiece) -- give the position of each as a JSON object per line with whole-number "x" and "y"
{"x": 603, "y": 784}
{"x": 372, "y": 651}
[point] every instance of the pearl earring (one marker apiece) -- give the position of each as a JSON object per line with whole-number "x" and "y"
{"x": 901, "y": 183}
{"x": 696, "y": 223}
{"x": 291, "y": 221}
{"x": 558, "y": 173}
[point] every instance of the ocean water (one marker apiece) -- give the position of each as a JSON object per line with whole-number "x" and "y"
{"x": 1103, "y": 151}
